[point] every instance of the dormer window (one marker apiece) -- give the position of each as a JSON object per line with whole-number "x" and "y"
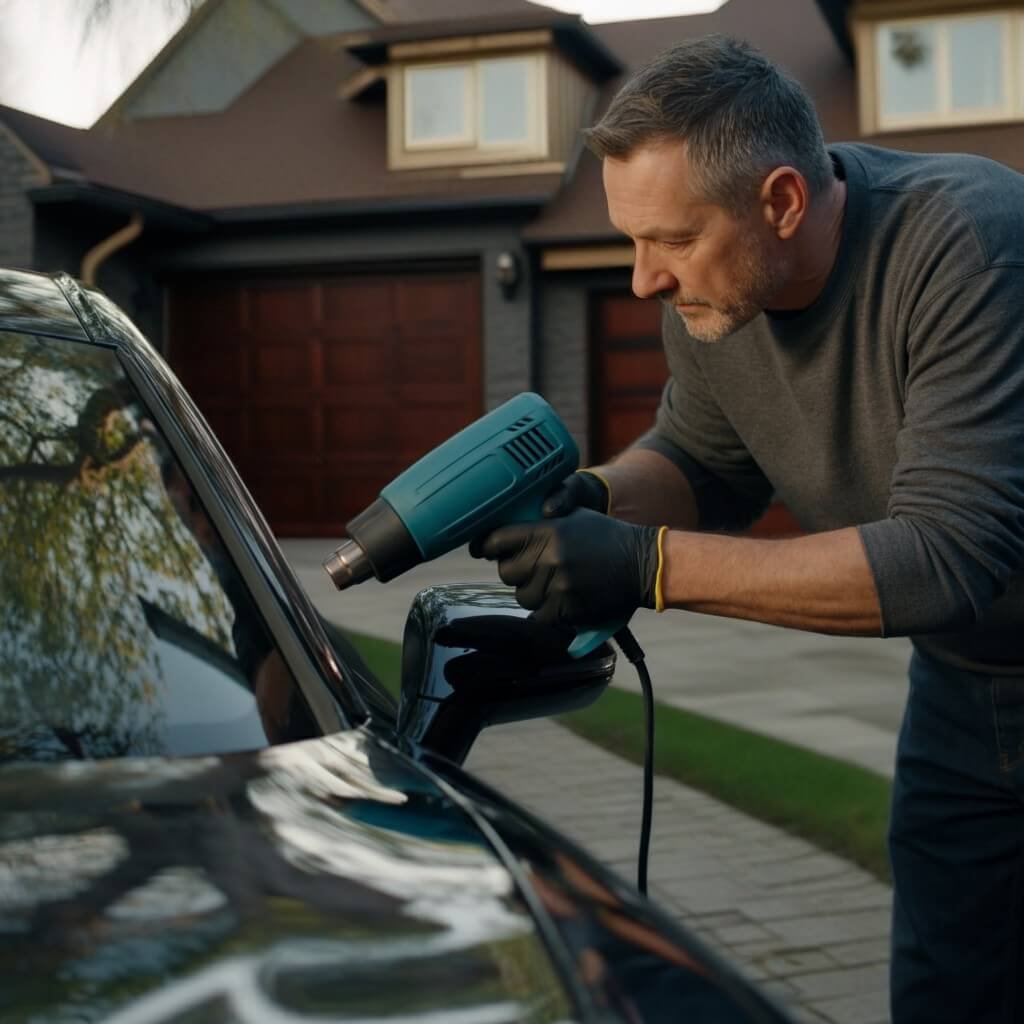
{"x": 476, "y": 105}
{"x": 506, "y": 97}
{"x": 955, "y": 69}
{"x": 471, "y": 111}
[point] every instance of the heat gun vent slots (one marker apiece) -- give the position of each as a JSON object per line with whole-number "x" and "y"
{"x": 520, "y": 423}
{"x": 530, "y": 448}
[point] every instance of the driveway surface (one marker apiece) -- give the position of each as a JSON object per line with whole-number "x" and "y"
{"x": 806, "y": 924}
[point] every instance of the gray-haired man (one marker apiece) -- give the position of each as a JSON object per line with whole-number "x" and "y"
{"x": 844, "y": 329}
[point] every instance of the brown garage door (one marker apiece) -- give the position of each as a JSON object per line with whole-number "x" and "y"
{"x": 322, "y": 390}
{"x": 628, "y": 372}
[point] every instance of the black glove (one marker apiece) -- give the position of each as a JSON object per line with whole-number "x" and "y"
{"x": 583, "y": 569}
{"x": 582, "y": 489}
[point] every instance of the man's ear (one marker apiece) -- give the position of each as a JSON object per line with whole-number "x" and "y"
{"x": 784, "y": 198}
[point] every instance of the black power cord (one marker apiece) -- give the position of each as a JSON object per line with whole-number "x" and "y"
{"x": 632, "y": 650}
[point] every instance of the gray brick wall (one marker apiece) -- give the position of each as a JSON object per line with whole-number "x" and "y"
{"x": 17, "y": 173}
{"x": 563, "y": 371}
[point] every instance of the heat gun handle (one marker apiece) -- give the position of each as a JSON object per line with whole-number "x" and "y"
{"x": 587, "y": 639}
{"x": 529, "y": 511}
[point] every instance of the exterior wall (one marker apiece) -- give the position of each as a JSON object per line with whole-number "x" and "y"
{"x": 507, "y": 340}
{"x": 17, "y": 173}
{"x": 570, "y": 100}
{"x": 563, "y": 372}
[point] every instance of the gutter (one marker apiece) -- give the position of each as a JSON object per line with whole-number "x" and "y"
{"x": 99, "y": 254}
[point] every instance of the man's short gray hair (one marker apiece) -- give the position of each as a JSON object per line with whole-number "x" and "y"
{"x": 739, "y": 115}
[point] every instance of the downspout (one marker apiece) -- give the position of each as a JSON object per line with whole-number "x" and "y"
{"x": 98, "y": 254}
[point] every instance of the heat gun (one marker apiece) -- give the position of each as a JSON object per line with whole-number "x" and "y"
{"x": 496, "y": 471}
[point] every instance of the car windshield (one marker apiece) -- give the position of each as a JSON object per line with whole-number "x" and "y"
{"x": 127, "y": 628}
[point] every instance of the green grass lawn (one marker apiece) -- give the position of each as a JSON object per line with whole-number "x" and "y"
{"x": 836, "y": 805}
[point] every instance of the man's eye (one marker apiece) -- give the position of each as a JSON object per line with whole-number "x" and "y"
{"x": 674, "y": 243}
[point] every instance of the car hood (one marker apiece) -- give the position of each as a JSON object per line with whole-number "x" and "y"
{"x": 327, "y": 879}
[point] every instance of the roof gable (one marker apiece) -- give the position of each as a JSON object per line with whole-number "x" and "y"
{"x": 225, "y": 47}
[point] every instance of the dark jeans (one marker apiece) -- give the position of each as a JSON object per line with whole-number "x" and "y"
{"x": 957, "y": 845}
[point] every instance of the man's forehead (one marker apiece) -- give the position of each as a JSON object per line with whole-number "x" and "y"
{"x": 651, "y": 187}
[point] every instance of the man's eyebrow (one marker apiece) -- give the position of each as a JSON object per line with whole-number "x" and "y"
{"x": 660, "y": 234}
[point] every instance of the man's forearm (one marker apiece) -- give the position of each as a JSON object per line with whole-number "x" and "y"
{"x": 820, "y": 582}
{"x": 648, "y": 488}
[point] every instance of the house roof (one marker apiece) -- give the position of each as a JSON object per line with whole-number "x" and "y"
{"x": 571, "y": 34}
{"x": 288, "y": 143}
{"x": 261, "y": 152}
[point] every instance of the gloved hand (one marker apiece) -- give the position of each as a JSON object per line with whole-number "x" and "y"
{"x": 583, "y": 569}
{"x": 582, "y": 489}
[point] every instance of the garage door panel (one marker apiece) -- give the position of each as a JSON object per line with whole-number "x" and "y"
{"x": 422, "y": 428}
{"x": 425, "y": 307}
{"x": 626, "y": 316}
{"x": 360, "y": 428}
{"x": 213, "y": 371}
{"x": 358, "y": 362}
{"x": 288, "y": 308}
{"x": 636, "y": 370}
{"x": 333, "y": 384}
{"x": 359, "y": 308}
{"x": 346, "y": 493}
{"x": 230, "y": 426}
{"x": 282, "y": 366}
{"x": 293, "y": 427}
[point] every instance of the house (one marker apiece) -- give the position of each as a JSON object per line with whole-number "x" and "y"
{"x": 353, "y": 225}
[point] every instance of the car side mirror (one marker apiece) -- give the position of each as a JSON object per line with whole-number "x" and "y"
{"x": 471, "y": 658}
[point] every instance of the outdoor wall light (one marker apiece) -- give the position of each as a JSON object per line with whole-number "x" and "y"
{"x": 507, "y": 272}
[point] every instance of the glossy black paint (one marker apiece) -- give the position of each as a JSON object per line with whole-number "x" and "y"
{"x": 329, "y": 876}
{"x": 351, "y": 877}
{"x": 471, "y": 658}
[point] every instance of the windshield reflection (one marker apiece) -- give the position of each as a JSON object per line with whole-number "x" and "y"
{"x": 126, "y": 627}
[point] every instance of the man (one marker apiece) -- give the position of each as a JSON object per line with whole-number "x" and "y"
{"x": 844, "y": 329}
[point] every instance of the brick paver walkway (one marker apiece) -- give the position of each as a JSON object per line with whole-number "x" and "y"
{"x": 808, "y": 926}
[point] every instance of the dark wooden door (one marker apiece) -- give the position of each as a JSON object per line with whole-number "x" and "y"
{"x": 628, "y": 373}
{"x": 322, "y": 390}
{"x": 628, "y": 370}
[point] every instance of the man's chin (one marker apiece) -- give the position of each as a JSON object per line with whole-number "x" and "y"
{"x": 709, "y": 325}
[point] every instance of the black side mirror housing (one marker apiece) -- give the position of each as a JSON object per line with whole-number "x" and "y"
{"x": 471, "y": 658}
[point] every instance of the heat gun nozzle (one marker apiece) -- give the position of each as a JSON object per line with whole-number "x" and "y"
{"x": 348, "y": 564}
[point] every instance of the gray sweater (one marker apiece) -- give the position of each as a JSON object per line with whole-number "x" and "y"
{"x": 894, "y": 403}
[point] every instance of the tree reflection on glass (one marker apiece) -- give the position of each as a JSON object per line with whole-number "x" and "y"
{"x": 88, "y": 540}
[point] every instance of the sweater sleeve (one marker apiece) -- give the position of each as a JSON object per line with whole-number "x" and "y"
{"x": 690, "y": 429}
{"x": 955, "y": 529}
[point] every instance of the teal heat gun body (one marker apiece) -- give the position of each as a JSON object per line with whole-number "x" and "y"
{"x": 496, "y": 471}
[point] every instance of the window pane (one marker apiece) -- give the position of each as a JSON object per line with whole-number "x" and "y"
{"x": 976, "y": 56}
{"x": 437, "y": 103}
{"x": 504, "y": 103}
{"x": 125, "y": 627}
{"x": 906, "y": 57}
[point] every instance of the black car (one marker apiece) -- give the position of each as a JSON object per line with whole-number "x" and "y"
{"x": 210, "y": 809}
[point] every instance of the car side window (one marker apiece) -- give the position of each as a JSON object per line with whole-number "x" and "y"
{"x": 126, "y": 627}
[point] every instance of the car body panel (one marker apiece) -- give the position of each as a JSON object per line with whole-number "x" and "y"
{"x": 331, "y": 875}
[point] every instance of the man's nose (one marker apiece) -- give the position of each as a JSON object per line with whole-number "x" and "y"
{"x": 650, "y": 278}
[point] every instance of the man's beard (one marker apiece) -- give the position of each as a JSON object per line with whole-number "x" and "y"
{"x": 757, "y": 281}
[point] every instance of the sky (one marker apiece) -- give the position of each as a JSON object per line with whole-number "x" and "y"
{"x": 56, "y": 65}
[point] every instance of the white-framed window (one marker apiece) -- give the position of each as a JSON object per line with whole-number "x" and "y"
{"x": 956, "y": 69}
{"x": 492, "y": 103}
